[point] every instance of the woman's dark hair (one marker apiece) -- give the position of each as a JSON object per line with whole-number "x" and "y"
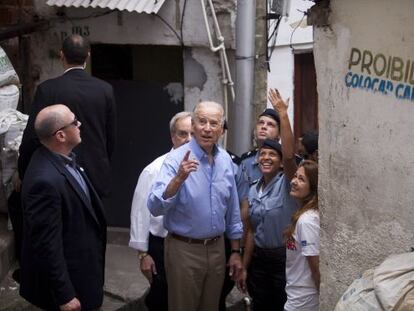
{"x": 310, "y": 141}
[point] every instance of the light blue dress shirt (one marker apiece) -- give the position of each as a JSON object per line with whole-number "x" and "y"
{"x": 206, "y": 205}
{"x": 71, "y": 166}
{"x": 249, "y": 167}
{"x": 241, "y": 183}
{"x": 271, "y": 211}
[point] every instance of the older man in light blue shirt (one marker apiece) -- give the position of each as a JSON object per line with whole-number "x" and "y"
{"x": 196, "y": 192}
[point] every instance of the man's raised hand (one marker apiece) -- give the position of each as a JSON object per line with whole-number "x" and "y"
{"x": 187, "y": 166}
{"x": 277, "y": 102}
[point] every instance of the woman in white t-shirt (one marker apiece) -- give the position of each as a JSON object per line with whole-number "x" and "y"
{"x": 302, "y": 242}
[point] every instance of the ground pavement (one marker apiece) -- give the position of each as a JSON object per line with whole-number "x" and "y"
{"x": 125, "y": 286}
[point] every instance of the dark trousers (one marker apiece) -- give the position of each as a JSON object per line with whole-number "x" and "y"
{"x": 228, "y": 282}
{"x": 266, "y": 279}
{"x": 157, "y": 298}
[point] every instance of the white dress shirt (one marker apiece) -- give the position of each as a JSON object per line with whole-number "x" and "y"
{"x": 142, "y": 222}
{"x": 74, "y": 67}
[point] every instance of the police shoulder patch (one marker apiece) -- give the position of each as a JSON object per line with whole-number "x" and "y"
{"x": 248, "y": 154}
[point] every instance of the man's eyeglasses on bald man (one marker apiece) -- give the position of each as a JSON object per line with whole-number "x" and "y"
{"x": 75, "y": 122}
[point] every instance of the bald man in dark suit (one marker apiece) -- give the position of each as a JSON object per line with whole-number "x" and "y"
{"x": 64, "y": 226}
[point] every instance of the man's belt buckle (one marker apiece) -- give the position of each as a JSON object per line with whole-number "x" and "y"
{"x": 207, "y": 241}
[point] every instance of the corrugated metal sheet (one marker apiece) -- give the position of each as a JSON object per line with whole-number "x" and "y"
{"x": 140, "y": 6}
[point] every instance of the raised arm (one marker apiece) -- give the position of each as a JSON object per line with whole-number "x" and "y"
{"x": 162, "y": 196}
{"x": 286, "y": 134}
{"x": 186, "y": 167}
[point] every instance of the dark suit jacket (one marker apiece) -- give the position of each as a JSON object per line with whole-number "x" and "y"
{"x": 64, "y": 237}
{"x": 92, "y": 101}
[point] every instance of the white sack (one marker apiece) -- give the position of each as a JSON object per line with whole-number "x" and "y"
{"x": 7, "y": 73}
{"x": 360, "y": 295}
{"x": 9, "y": 96}
{"x": 12, "y": 125}
{"x": 393, "y": 279}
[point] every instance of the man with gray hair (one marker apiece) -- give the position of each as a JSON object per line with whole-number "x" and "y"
{"x": 147, "y": 232}
{"x": 64, "y": 227}
{"x": 197, "y": 194}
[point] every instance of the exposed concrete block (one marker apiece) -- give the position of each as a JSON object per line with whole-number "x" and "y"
{"x": 195, "y": 75}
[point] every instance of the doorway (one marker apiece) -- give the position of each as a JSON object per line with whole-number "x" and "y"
{"x": 148, "y": 88}
{"x": 305, "y": 94}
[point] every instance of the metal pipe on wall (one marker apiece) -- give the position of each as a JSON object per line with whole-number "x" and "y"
{"x": 242, "y": 110}
{"x": 226, "y": 80}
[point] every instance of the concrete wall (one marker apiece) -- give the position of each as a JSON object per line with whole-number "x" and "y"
{"x": 366, "y": 133}
{"x": 202, "y": 76}
{"x": 202, "y": 71}
{"x": 281, "y": 73}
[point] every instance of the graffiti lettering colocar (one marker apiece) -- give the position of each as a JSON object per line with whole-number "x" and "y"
{"x": 381, "y": 73}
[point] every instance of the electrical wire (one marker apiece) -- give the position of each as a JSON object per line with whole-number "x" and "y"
{"x": 274, "y": 37}
{"x": 65, "y": 17}
{"x": 271, "y": 40}
{"x": 294, "y": 30}
{"x": 171, "y": 28}
{"x": 182, "y": 23}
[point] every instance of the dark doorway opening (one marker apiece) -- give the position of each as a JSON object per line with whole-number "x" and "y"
{"x": 148, "y": 87}
{"x": 305, "y": 94}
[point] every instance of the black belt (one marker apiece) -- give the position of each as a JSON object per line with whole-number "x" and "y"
{"x": 195, "y": 241}
{"x": 154, "y": 237}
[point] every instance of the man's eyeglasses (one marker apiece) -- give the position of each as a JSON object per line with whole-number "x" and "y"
{"x": 75, "y": 122}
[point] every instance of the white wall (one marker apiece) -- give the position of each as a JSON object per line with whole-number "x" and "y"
{"x": 366, "y": 150}
{"x": 281, "y": 73}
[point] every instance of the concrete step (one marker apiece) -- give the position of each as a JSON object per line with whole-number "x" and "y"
{"x": 12, "y": 301}
{"x": 124, "y": 289}
{"x": 9, "y": 295}
{"x": 123, "y": 279}
{"x": 7, "y": 253}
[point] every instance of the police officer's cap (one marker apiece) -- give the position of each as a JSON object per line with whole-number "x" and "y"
{"x": 272, "y": 144}
{"x": 271, "y": 113}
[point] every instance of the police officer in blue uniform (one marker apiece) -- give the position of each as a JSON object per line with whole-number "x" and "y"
{"x": 267, "y": 126}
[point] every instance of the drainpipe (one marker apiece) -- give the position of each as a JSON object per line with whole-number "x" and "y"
{"x": 242, "y": 110}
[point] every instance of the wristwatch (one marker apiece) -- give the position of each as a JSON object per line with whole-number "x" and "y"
{"x": 142, "y": 255}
